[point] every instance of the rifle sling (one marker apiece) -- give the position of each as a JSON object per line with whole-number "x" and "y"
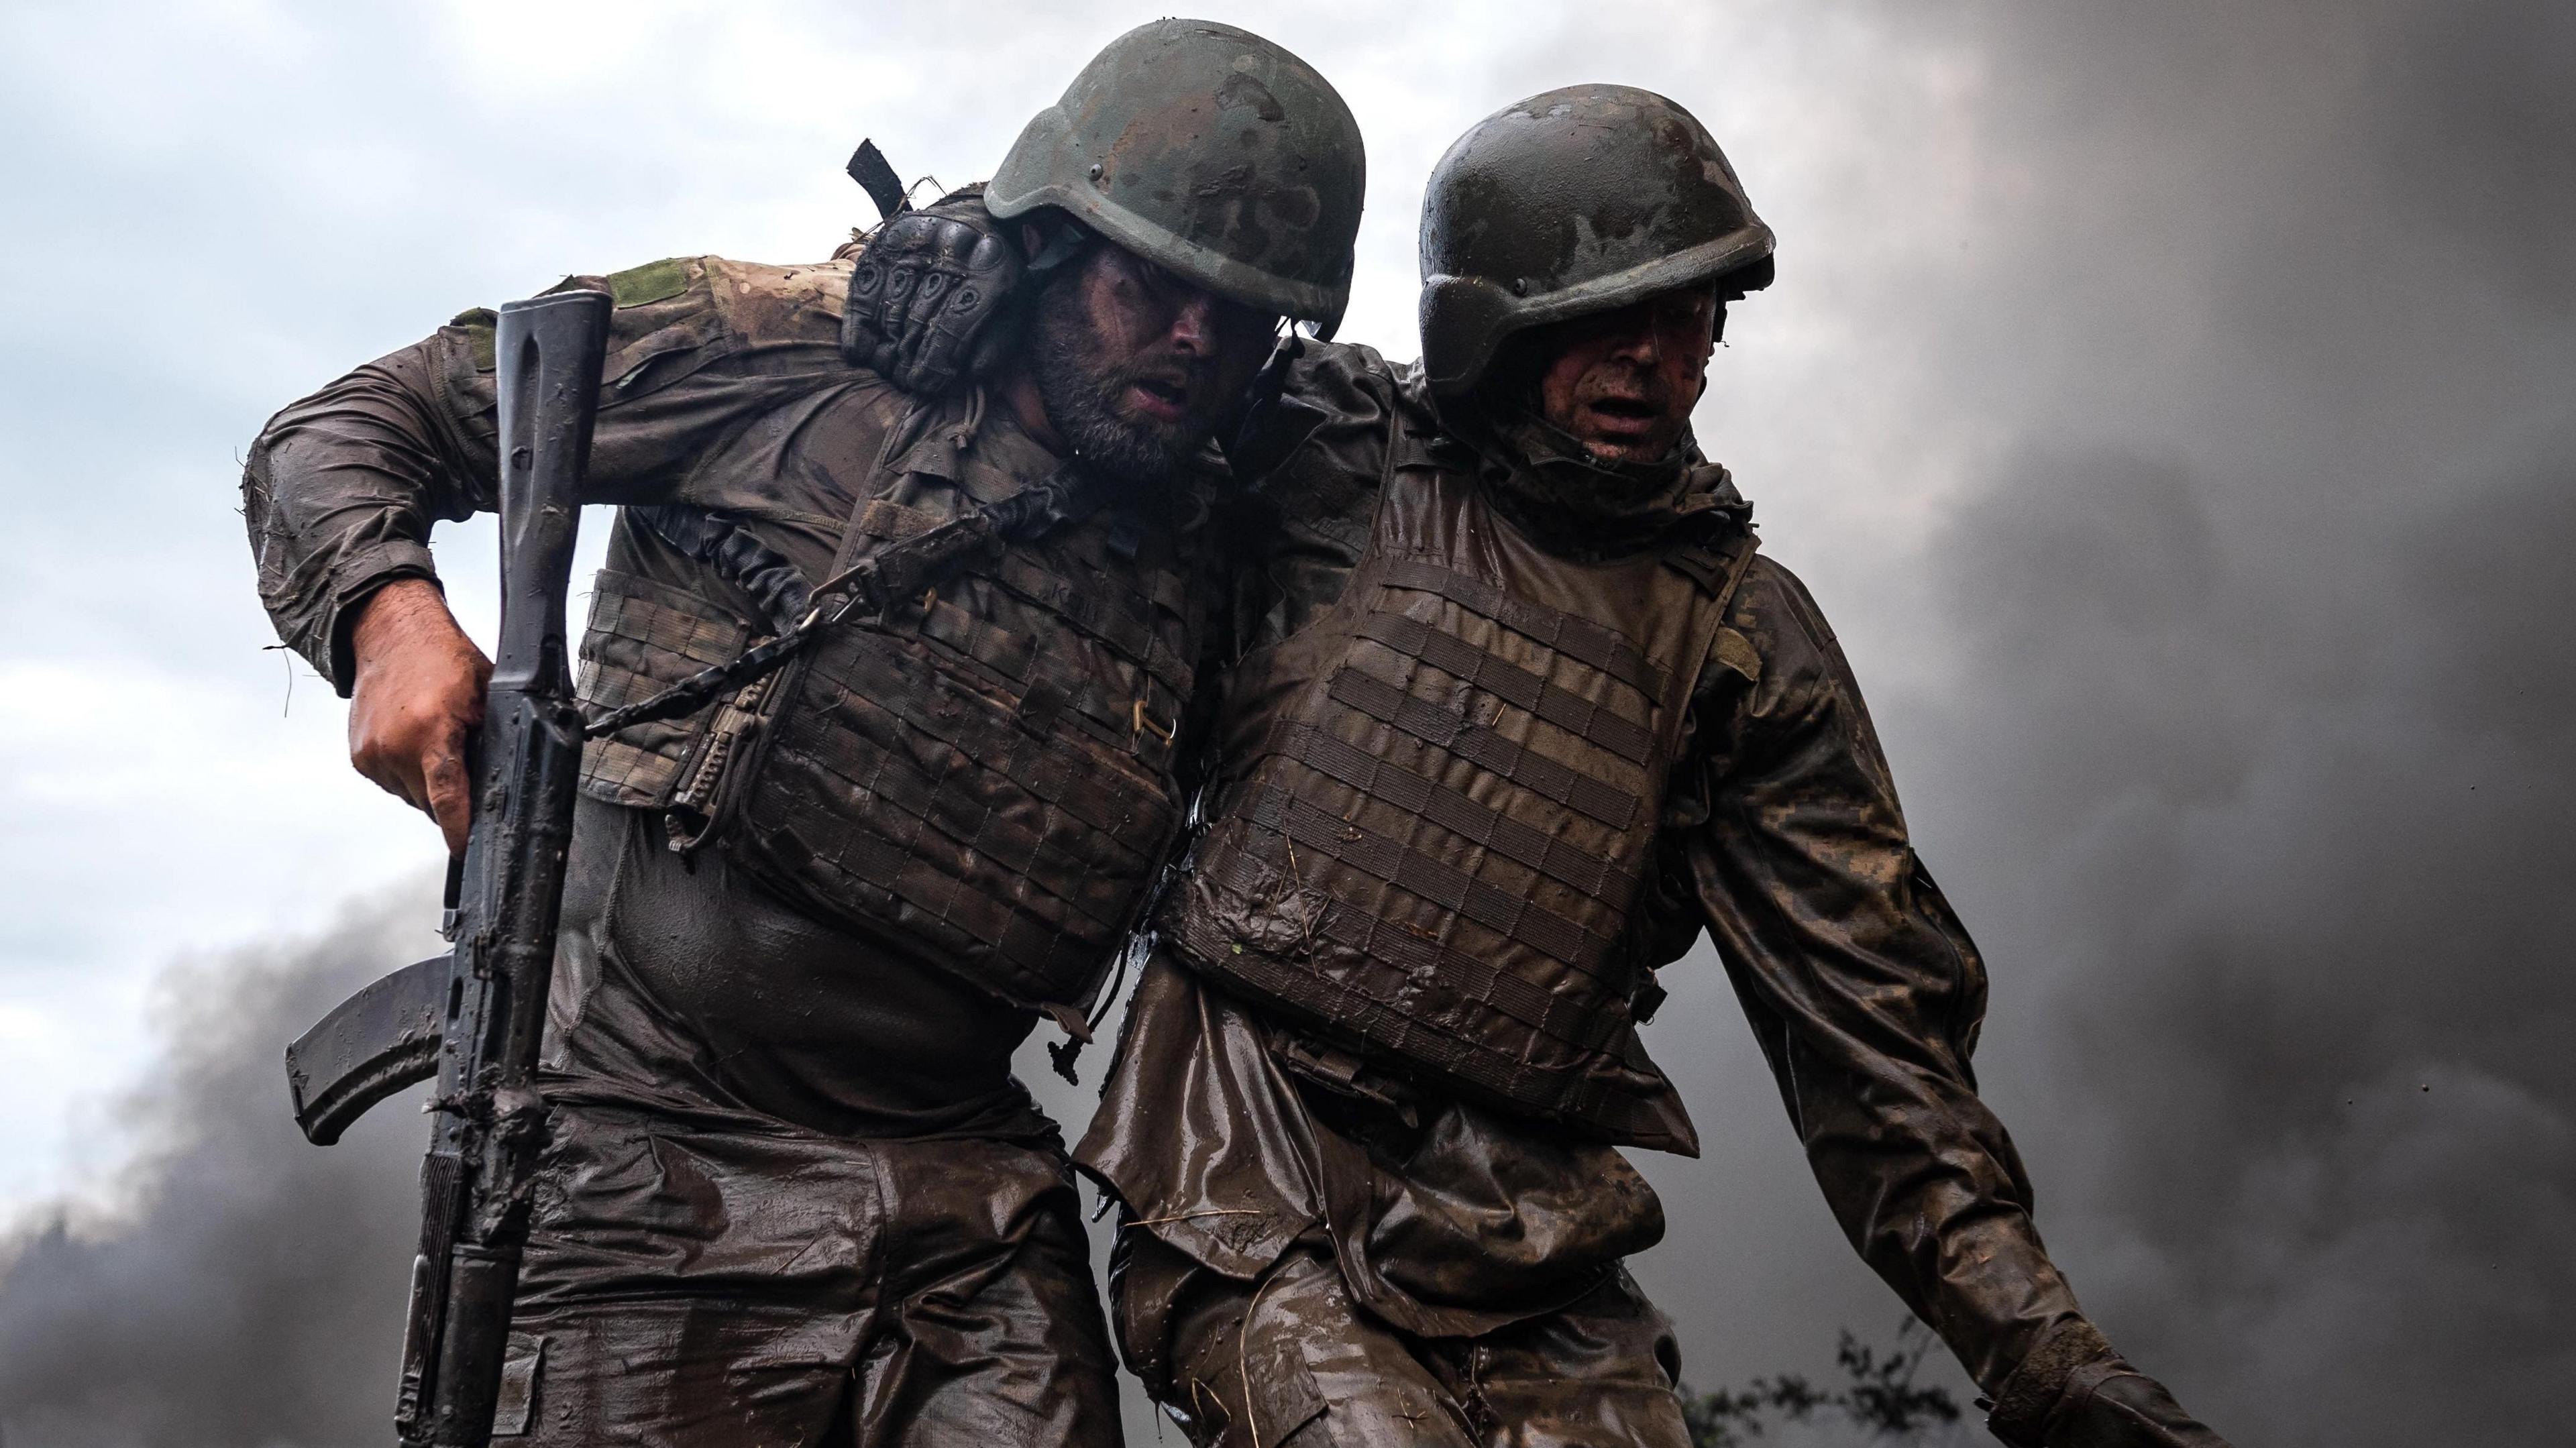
{"x": 867, "y": 589}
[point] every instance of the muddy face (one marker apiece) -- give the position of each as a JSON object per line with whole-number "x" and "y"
{"x": 1135, "y": 365}
{"x": 1623, "y": 383}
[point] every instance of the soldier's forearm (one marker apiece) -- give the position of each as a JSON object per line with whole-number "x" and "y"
{"x": 1927, "y": 1187}
{"x": 1931, "y": 1192}
{"x": 397, "y": 617}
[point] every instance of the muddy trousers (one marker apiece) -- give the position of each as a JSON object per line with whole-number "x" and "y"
{"x": 688, "y": 1288}
{"x": 1289, "y": 1359}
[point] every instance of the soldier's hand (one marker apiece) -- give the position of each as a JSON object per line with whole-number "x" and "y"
{"x": 2124, "y": 1409}
{"x": 926, "y": 292}
{"x": 415, "y": 702}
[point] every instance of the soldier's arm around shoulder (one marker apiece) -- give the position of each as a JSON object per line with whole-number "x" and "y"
{"x": 1307, "y": 465}
{"x": 1866, "y": 995}
{"x": 340, "y": 489}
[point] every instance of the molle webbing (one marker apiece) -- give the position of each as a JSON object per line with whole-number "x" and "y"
{"x": 985, "y": 770}
{"x": 1401, "y": 961}
{"x": 988, "y": 833}
{"x": 1450, "y": 654}
{"x": 911, "y": 731}
{"x": 1576, "y": 638}
{"x": 869, "y": 588}
{"x": 1415, "y": 998}
{"x": 1433, "y": 851}
{"x": 1452, "y": 811}
{"x": 643, "y": 637}
{"x": 960, "y": 748}
{"x": 1291, "y": 821}
{"x": 1452, "y": 730}
{"x": 1124, "y": 623}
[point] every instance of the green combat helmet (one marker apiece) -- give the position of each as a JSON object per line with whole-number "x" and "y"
{"x": 1581, "y": 200}
{"x": 1211, "y": 152}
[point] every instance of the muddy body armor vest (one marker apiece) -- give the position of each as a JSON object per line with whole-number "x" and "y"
{"x": 1441, "y": 794}
{"x": 984, "y": 780}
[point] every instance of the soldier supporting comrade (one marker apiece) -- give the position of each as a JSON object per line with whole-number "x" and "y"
{"x": 1520, "y": 712}
{"x": 793, "y": 1193}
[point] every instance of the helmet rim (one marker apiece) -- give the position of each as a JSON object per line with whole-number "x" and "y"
{"x": 1571, "y": 202}
{"x": 1244, "y": 155}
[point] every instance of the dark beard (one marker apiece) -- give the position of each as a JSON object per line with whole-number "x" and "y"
{"x": 1082, "y": 395}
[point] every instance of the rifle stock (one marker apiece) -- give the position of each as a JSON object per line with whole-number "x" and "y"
{"x": 488, "y": 1122}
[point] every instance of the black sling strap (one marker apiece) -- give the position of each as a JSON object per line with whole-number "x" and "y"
{"x": 860, "y": 593}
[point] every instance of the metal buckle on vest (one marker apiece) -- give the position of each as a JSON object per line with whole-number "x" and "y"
{"x": 1145, "y": 723}
{"x": 1648, "y": 998}
{"x": 858, "y": 590}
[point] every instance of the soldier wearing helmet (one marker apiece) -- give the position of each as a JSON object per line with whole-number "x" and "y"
{"x": 793, "y": 1192}
{"x": 1520, "y": 711}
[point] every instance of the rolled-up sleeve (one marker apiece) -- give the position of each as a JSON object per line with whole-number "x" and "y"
{"x": 1863, "y": 989}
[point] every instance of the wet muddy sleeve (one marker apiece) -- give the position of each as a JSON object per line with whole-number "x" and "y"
{"x": 1863, "y": 989}
{"x": 341, "y": 488}
{"x": 1310, "y": 467}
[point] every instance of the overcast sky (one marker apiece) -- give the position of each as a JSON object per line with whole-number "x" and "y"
{"x": 2169, "y": 404}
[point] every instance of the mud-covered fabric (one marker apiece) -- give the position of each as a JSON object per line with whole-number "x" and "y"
{"x": 642, "y": 638}
{"x": 683, "y": 984}
{"x": 1290, "y": 1359}
{"x": 1447, "y": 1219}
{"x": 340, "y": 489}
{"x": 986, "y": 778}
{"x": 796, "y": 1180}
{"x": 1780, "y": 835}
{"x": 709, "y": 1281}
{"x": 982, "y": 784}
{"x": 1436, "y": 801}
{"x": 989, "y": 773}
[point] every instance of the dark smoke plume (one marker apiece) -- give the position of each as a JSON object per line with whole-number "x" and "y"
{"x": 2276, "y": 750}
{"x": 249, "y": 1295}
{"x": 2240, "y": 716}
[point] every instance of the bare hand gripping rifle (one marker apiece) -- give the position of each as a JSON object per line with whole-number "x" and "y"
{"x": 478, "y": 1013}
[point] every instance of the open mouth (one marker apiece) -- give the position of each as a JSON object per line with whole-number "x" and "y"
{"x": 1631, "y": 411}
{"x": 1162, "y": 397}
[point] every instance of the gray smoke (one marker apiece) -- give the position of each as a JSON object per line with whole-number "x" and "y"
{"x": 2235, "y": 710}
{"x": 249, "y": 1292}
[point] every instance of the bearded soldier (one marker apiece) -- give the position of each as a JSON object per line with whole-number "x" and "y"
{"x": 1520, "y": 711}
{"x": 793, "y": 1192}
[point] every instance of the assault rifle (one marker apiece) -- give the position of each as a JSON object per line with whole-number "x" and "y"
{"x": 477, "y": 1014}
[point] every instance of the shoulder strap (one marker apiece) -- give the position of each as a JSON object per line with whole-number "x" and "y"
{"x": 1717, "y": 567}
